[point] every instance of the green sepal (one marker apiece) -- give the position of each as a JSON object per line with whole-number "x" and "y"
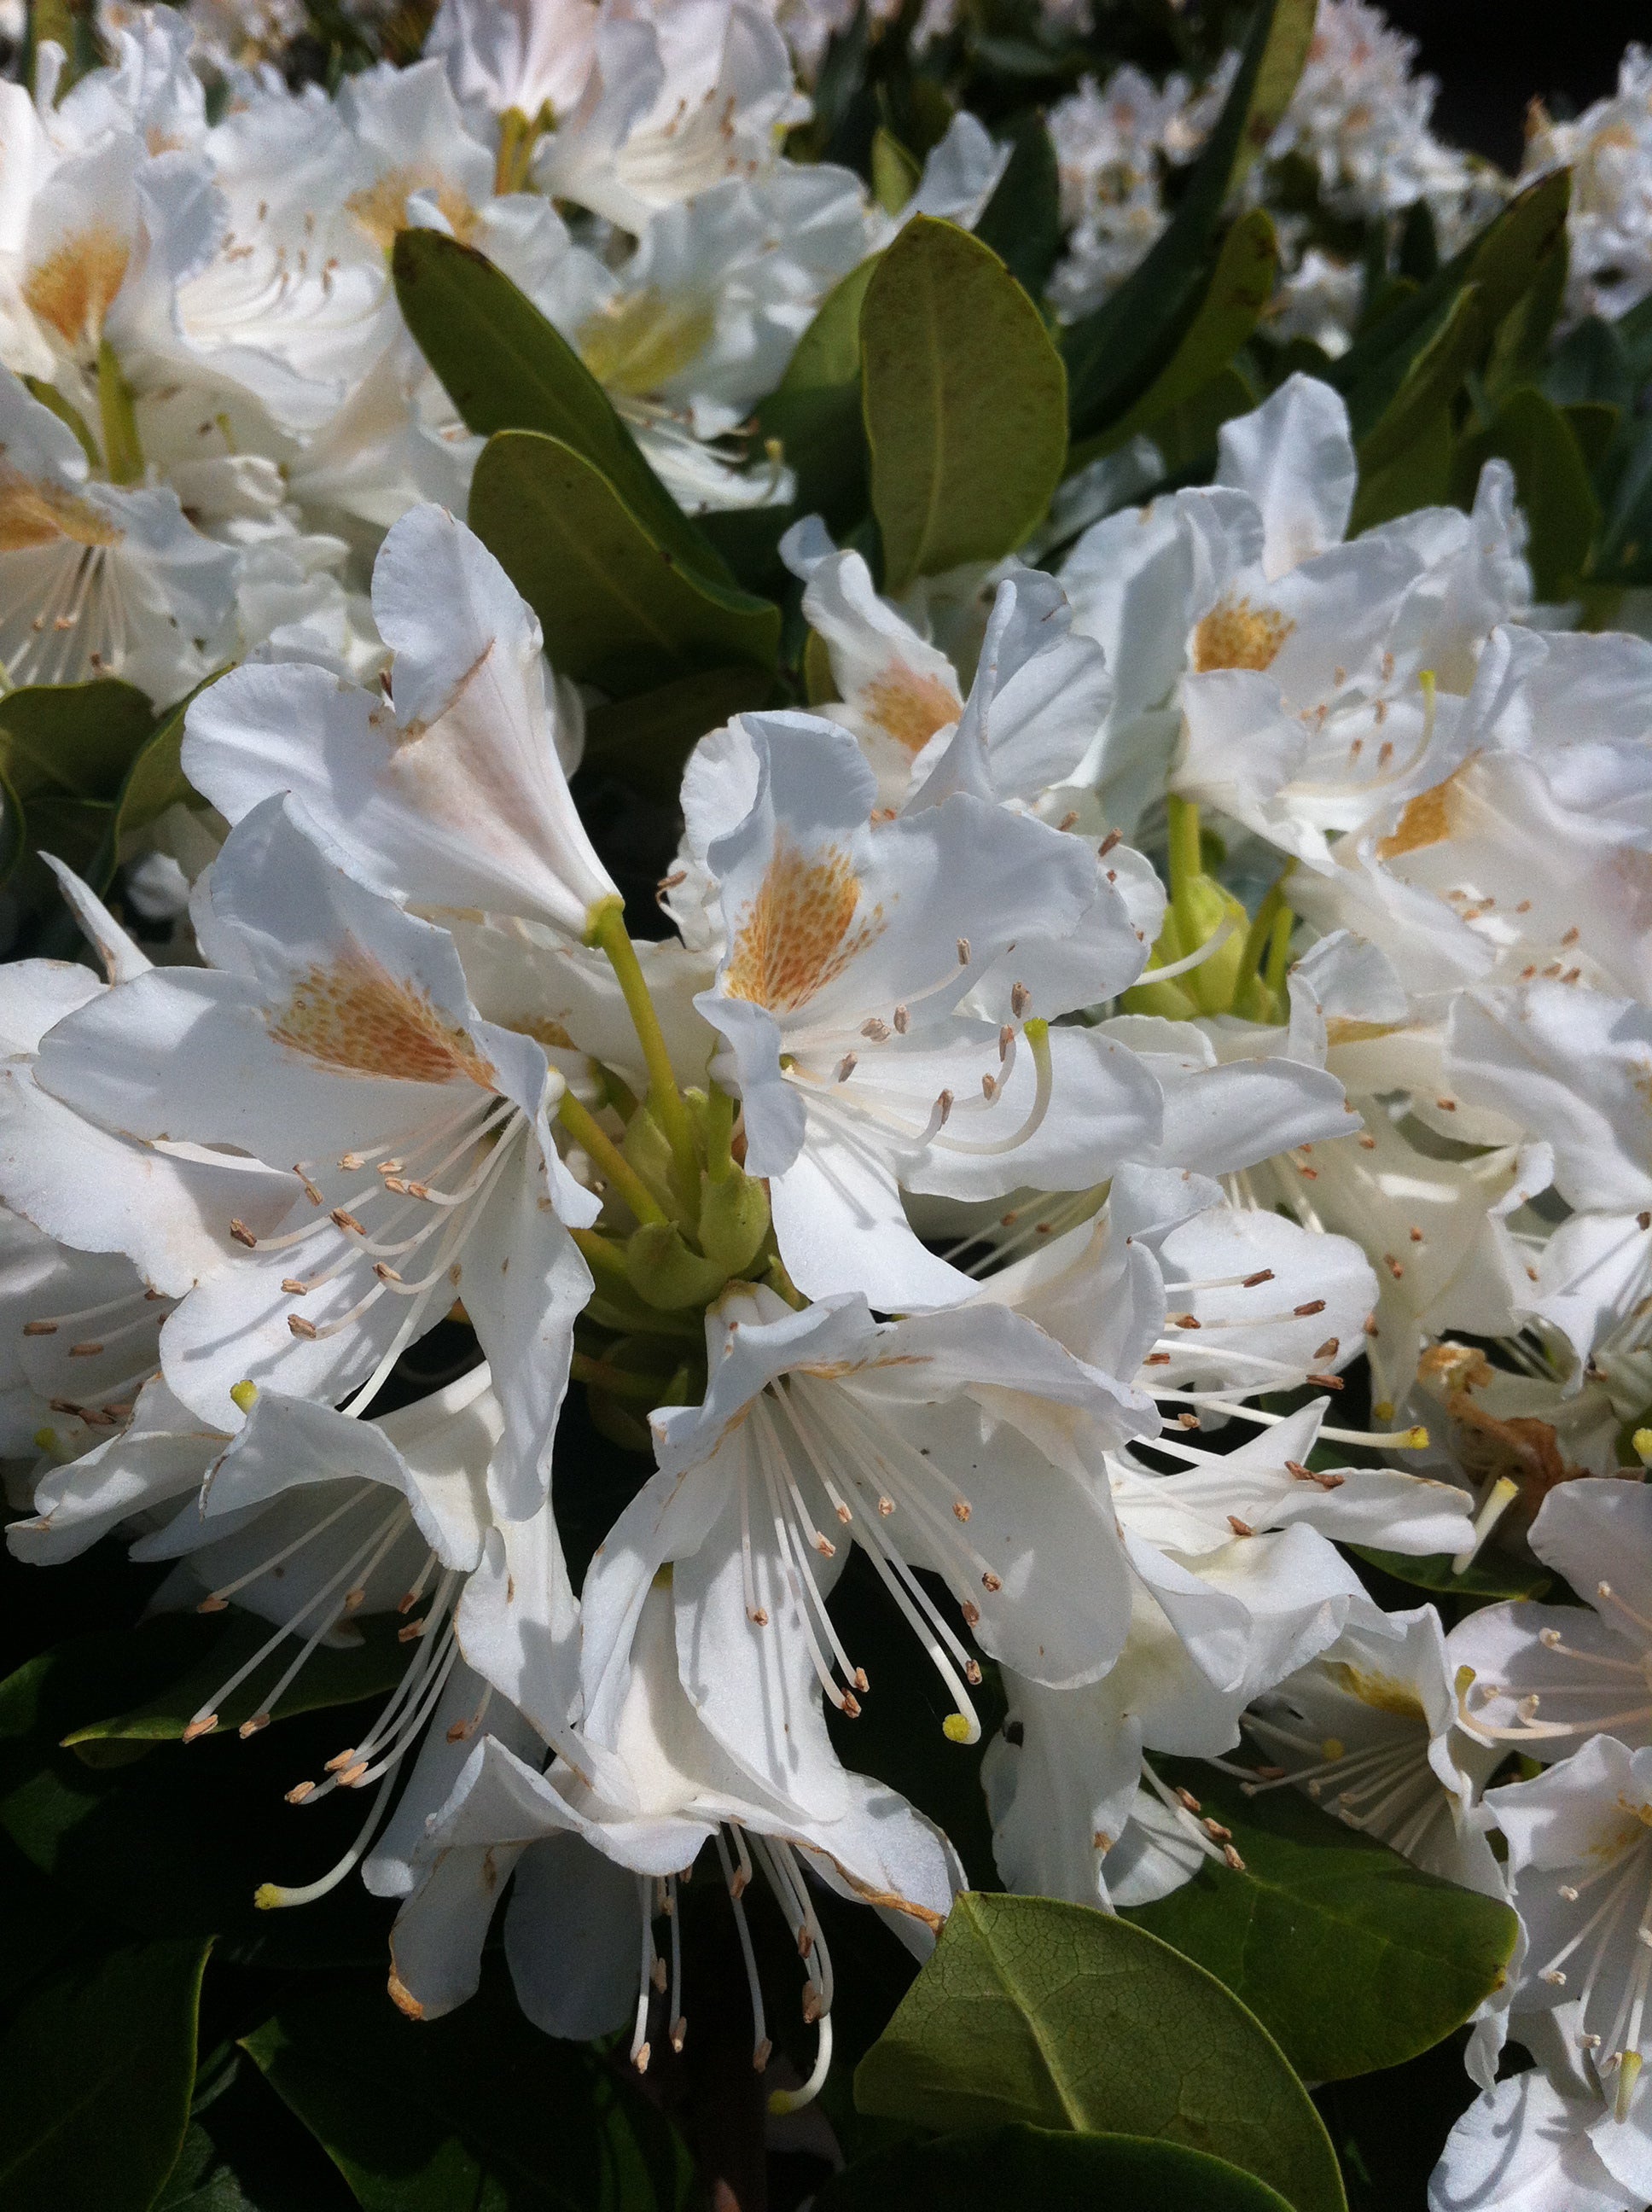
{"x": 666, "y": 1272}
{"x": 734, "y": 1221}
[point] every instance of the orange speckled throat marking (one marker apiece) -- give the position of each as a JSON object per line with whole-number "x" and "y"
{"x": 1237, "y": 634}
{"x": 796, "y": 936}
{"x": 381, "y": 208}
{"x": 359, "y": 1020}
{"x": 910, "y": 708}
{"x": 71, "y": 289}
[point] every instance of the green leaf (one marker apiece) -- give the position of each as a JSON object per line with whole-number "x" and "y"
{"x": 1064, "y": 2017}
{"x": 72, "y": 740}
{"x": 505, "y": 366}
{"x": 1433, "y": 373}
{"x": 1022, "y": 221}
{"x": 1591, "y": 363}
{"x": 94, "y": 2082}
{"x": 478, "y": 2108}
{"x": 1241, "y": 286}
{"x": 987, "y": 2168}
{"x": 815, "y": 411}
{"x": 1492, "y": 1574}
{"x": 154, "y": 782}
{"x": 1114, "y": 353}
{"x": 895, "y": 172}
{"x": 1552, "y": 483}
{"x": 617, "y": 609}
{"x": 1350, "y": 1956}
{"x": 329, "y": 1678}
{"x": 1419, "y": 475}
{"x": 965, "y": 402}
{"x": 645, "y": 740}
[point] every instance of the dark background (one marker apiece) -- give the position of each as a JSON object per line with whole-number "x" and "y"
{"x": 1492, "y": 56}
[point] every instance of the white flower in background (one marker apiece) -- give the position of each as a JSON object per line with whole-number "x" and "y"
{"x": 681, "y": 95}
{"x": 1275, "y": 672}
{"x": 100, "y": 578}
{"x": 1546, "y": 1677}
{"x": 1524, "y": 2145}
{"x": 524, "y": 55}
{"x": 1113, "y": 146}
{"x": 1608, "y": 149}
{"x": 850, "y": 947}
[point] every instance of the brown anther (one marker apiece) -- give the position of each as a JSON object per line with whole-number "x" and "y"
{"x": 300, "y": 1792}
{"x": 1217, "y": 1832}
{"x": 759, "y": 1616}
{"x": 885, "y": 1507}
{"x": 1068, "y": 819}
{"x": 1394, "y": 1267}
{"x": 844, "y": 1515}
{"x": 848, "y": 1705}
{"x": 395, "y": 1183}
{"x": 679, "y": 2033}
{"x": 972, "y": 1673}
{"x": 828, "y": 1551}
{"x": 214, "y": 1604}
{"x": 1415, "y": 1235}
{"x": 353, "y": 1599}
{"x": 943, "y": 1106}
{"x": 1313, "y": 1306}
{"x": 1233, "y": 1858}
{"x": 202, "y": 1726}
{"x": 1187, "y": 1801}
{"x": 1156, "y": 1359}
{"x": 350, "y": 1161}
{"x": 963, "y": 952}
{"x": 1020, "y": 999}
{"x": 352, "y": 1775}
{"x": 1447, "y": 1105}
{"x": 877, "y": 1030}
{"x": 243, "y": 1235}
{"x": 293, "y": 1288}
{"x": 1327, "y": 1382}
{"x": 250, "y": 1727}
{"x": 1006, "y": 1039}
{"x": 340, "y": 1760}
{"x": 311, "y": 1191}
{"x": 87, "y": 1350}
{"x": 1273, "y": 1773}
{"x": 846, "y": 1067}
{"x": 345, "y": 1220}
{"x": 1112, "y": 838}
{"x": 1329, "y": 1349}
{"x": 860, "y": 1681}
{"x": 384, "y": 1271}
{"x": 971, "y": 1613}
{"x": 989, "y": 1088}
{"x": 811, "y": 2006}
{"x": 1185, "y": 1320}
{"x": 413, "y": 1629}
{"x": 989, "y": 1581}
{"x": 418, "y": 1190}
{"x": 299, "y": 1327}
{"x": 1240, "y": 1527}
{"x": 1189, "y": 1421}
{"x": 1643, "y": 1221}
{"x": 761, "y": 2056}
{"x": 657, "y": 1974}
{"x": 961, "y": 1509}
{"x": 39, "y": 1328}
{"x": 1366, "y": 1142}
{"x": 640, "y": 2062}
{"x": 1262, "y": 1275}
{"x": 903, "y": 1021}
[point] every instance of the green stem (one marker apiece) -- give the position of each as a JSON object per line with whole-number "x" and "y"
{"x": 1184, "y": 859}
{"x": 1278, "y": 950}
{"x": 1261, "y": 928}
{"x": 608, "y": 931}
{"x": 720, "y": 1134}
{"x": 122, "y": 454}
{"x": 619, "y": 1381}
{"x": 584, "y": 1127}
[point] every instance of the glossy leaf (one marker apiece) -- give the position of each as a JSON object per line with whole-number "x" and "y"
{"x": 506, "y": 367}
{"x": 1492, "y": 1574}
{"x": 154, "y": 782}
{"x": 1114, "y": 353}
{"x": 617, "y": 608}
{"x": 1419, "y": 475}
{"x": 1435, "y": 374}
{"x": 1241, "y": 286}
{"x": 75, "y": 740}
{"x": 1022, "y": 221}
{"x": 478, "y": 2108}
{"x": 341, "y": 1677}
{"x": 965, "y": 403}
{"x": 1065, "y": 2017}
{"x": 1350, "y": 1956}
{"x": 816, "y": 413}
{"x": 988, "y": 2168}
{"x": 95, "y": 2074}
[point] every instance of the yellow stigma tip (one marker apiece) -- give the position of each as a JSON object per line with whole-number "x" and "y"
{"x": 245, "y": 1395}
{"x": 1383, "y": 1410}
{"x": 1642, "y": 1441}
{"x": 46, "y": 1439}
{"x": 267, "y": 1896}
{"x": 955, "y": 1729}
{"x": 1409, "y": 1440}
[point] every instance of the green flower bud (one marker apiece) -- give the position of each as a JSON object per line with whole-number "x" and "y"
{"x": 734, "y": 1221}
{"x": 666, "y": 1272}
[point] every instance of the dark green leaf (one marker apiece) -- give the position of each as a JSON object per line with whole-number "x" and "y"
{"x": 1350, "y": 1956}
{"x": 505, "y": 366}
{"x": 1492, "y": 1574}
{"x": 1535, "y": 438}
{"x": 1434, "y": 372}
{"x": 645, "y": 740}
{"x": 1594, "y": 424}
{"x": 478, "y": 2108}
{"x": 1520, "y": 345}
{"x": 72, "y": 740}
{"x": 329, "y": 1678}
{"x": 14, "y": 831}
{"x": 1419, "y": 475}
{"x": 94, "y": 2082}
{"x": 1186, "y": 436}
{"x": 816, "y": 413}
{"x": 154, "y": 782}
{"x": 965, "y": 403}
{"x": 1591, "y": 362}
{"x": 617, "y": 609}
{"x": 1241, "y": 286}
{"x": 989, "y": 2168}
{"x": 1022, "y": 221}
{"x": 1114, "y": 353}
{"x": 1065, "y": 2017}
